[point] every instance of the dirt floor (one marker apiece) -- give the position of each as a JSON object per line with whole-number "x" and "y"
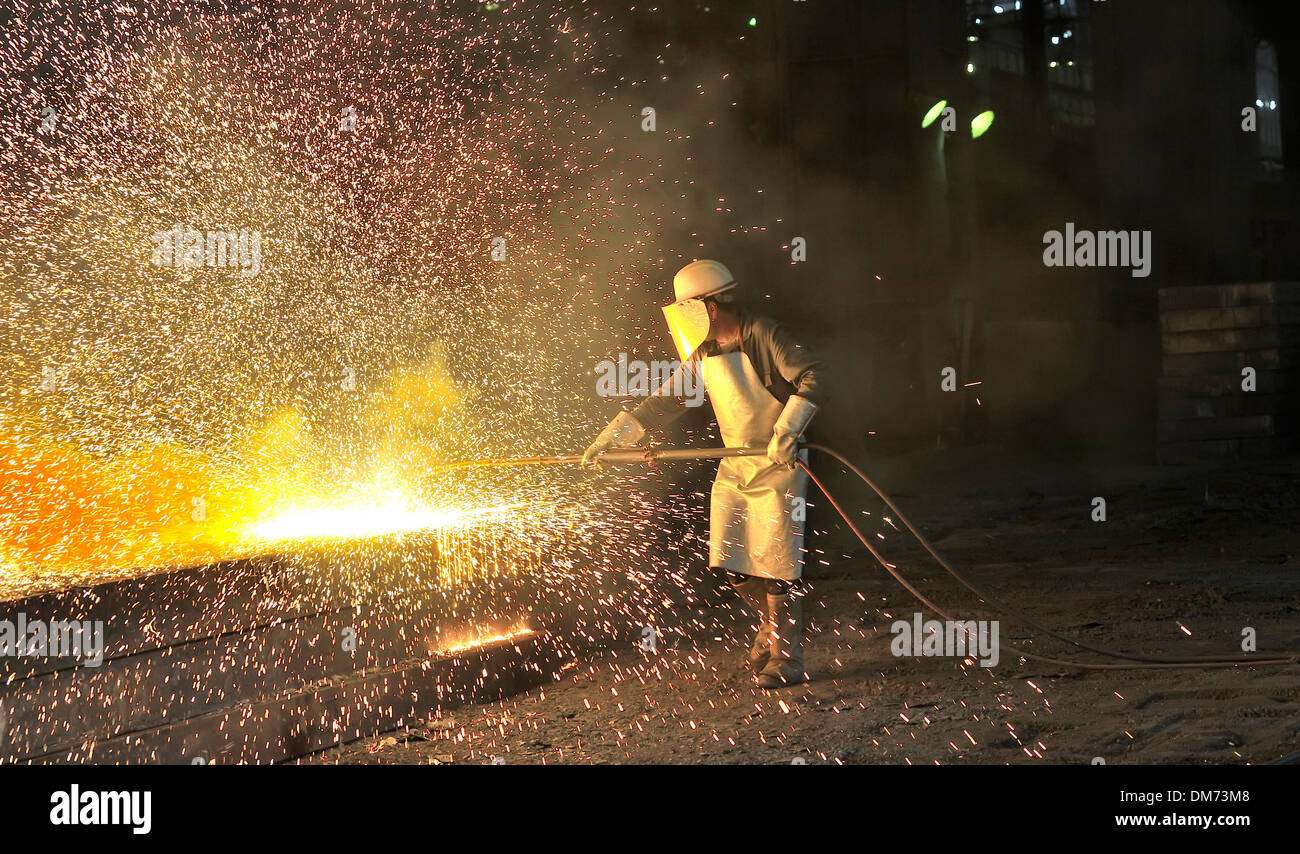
{"x": 1186, "y": 559}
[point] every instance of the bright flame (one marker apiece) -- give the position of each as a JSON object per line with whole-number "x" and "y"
{"x": 395, "y": 514}
{"x": 484, "y": 641}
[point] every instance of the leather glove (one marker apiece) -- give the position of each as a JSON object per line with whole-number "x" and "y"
{"x": 789, "y": 427}
{"x": 623, "y": 432}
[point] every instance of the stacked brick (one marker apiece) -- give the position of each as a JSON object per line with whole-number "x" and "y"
{"x": 1209, "y": 336}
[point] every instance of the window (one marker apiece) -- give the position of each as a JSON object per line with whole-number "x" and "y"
{"x": 1268, "y": 119}
{"x": 995, "y": 35}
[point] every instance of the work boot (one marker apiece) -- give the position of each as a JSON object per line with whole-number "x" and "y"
{"x": 753, "y": 590}
{"x": 785, "y": 666}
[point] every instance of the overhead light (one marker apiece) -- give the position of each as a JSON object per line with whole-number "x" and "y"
{"x": 980, "y": 124}
{"x": 933, "y": 113}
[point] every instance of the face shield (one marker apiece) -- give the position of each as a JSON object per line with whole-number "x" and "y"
{"x": 688, "y": 323}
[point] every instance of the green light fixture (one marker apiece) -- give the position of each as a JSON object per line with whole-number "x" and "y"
{"x": 933, "y": 114}
{"x": 980, "y": 124}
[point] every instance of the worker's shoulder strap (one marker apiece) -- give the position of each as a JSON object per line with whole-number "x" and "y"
{"x": 756, "y": 343}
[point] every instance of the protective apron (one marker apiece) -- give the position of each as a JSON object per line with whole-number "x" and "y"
{"x": 751, "y": 529}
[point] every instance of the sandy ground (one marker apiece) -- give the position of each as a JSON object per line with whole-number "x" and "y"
{"x": 1205, "y": 551}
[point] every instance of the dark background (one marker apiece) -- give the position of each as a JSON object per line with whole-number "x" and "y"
{"x": 925, "y": 247}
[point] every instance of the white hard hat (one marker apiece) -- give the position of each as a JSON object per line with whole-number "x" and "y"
{"x": 688, "y": 319}
{"x": 701, "y": 279}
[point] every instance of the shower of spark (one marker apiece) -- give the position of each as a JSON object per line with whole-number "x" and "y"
{"x": 257, "y": 254}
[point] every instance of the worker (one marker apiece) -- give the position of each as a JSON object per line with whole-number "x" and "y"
{"x": 765, "y": 388}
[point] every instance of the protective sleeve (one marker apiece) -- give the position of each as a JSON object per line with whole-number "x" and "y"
{"x": 778, "y": 350}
